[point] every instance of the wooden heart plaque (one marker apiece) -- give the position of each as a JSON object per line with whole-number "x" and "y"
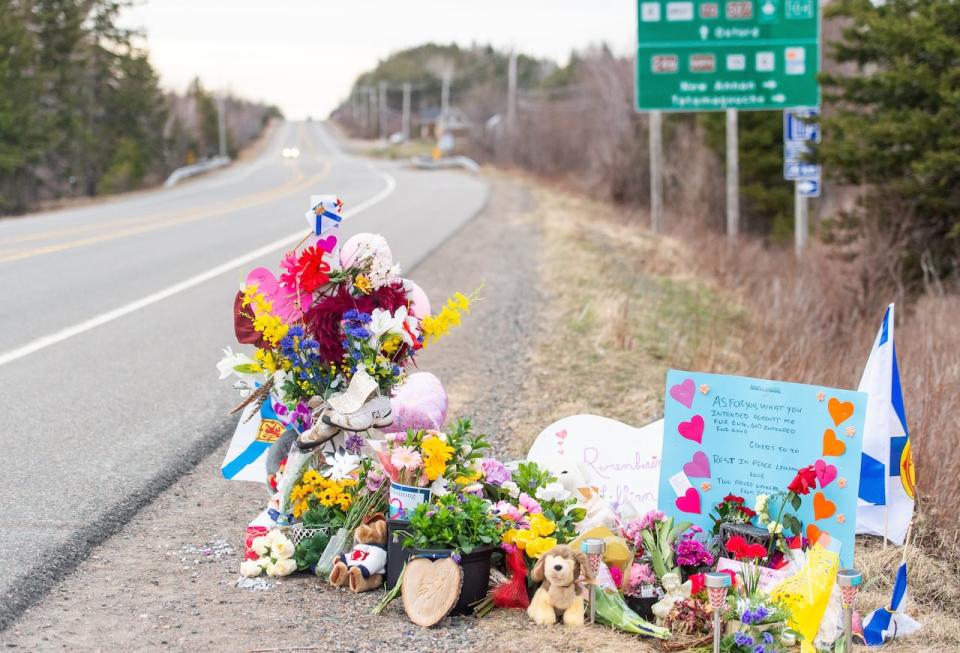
{"x": 430, "y": 589}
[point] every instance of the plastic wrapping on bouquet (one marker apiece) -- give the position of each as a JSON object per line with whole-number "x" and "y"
{"x": 404, "y": 499}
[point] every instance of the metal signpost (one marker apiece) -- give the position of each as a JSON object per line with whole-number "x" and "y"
{"x": 726, "y": 55}
{"x": 799, "y": 133}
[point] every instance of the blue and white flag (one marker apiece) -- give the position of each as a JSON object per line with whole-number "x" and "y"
{"x": 890, "y": 621}
{"x": 885, "y": 504}
{"x": 246, "y": 459}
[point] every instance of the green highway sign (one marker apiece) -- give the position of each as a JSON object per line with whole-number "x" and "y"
{"x": 711, "y": 55}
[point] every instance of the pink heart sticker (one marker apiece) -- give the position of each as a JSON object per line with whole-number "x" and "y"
{"x": 699, "y": 467}
{"x": 327, "y": 244}
{"x": 562, "y": 434}
{"x": 683, "y": 392}
{"x": 692, "y": 430}
{"x": 825, "y": 473}
{"x": 689, "y": 502}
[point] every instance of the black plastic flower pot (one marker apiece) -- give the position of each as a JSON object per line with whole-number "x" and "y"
{"x": 642, "y": 605}
{"x": 476, "y": 573}
{"x": 396, "y": 554}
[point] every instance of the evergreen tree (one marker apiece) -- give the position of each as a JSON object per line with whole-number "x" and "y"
{"x": 895, "y": 127}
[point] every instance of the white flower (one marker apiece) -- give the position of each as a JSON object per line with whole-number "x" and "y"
{"x": 760, "y": 505}
{"x": 552, "y": 492}
{"x": 261, "y": 545}
{"x": 382, "y": 323}
{"x": 269, "y": 568}
{"x": 343, "y": 463}
{"x": 230, "y": 360}
{"x": 511, "y": 489}
{"x": 284, "y": 567}
{"x": 283, "y": 548}
{"x": 264, "y": 562}
{"x": 774, "y": 527}
{"x": 440, "y": 487}
{"x": 250, "y": 568}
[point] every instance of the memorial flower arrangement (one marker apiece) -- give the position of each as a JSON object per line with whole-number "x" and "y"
{"x": 272, "y": 555}
{"x": 457, "y": 522}
{"x": 537, "y": 511}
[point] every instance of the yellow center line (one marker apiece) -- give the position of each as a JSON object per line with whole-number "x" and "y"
{"x": 256, "y": 199}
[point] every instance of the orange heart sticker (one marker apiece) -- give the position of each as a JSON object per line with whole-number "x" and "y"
{"x": 831, "y": 445}
{"x": 815, "y": 535}
{"x": 822, "y": 506}
{"x": 839, "y": 410}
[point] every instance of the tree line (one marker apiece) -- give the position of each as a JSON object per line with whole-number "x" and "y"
{"x": 82, "y": 111}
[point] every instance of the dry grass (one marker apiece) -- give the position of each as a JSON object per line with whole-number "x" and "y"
{"x": 623, "y": 305}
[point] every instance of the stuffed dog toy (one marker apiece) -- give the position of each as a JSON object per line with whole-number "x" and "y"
{"x": 362, "y": 569}
{"x": 559, "y": 594}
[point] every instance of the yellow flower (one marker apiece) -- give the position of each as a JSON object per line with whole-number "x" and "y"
{"x": 299, "y": 508}
{"x": 391, "y": 344}
{"x": 434, "y": 469}
{"x": 510, "y": 536}
{"x": 467, "y": 479}
{"x": 363, "y": 284}
{"x": 524, "y": 538}
{"x": 436, "y": 326}
{"x": 541, "y": 525}
{"x": 344, "y": 502}
{"x": 540, "y": 545}
{"x": 312, "y": 476}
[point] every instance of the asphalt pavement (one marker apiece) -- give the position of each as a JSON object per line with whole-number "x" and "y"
{"x": 113, "y": 316}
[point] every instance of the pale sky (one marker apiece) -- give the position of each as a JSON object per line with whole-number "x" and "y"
{"x": 303, "y": 55}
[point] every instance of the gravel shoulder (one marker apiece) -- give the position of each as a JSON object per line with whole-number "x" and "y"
{"x": 167, "y": 581}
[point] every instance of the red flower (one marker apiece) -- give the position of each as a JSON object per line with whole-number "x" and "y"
{"x": 805, "y": 479}
{"x": 754, "y": 552}
{"x": 697, "y": 583}
{"x": 732, "y": 574}
{"x": 312, "y": 269}
{"x": 733, "y": 498}
{"x": 736, "y": 545}
{"x": 795, "y": 542}
{"x": 746, "y": 511}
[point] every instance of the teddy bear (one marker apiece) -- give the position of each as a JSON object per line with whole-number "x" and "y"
{"x": 363, "y": 567}
{"x": 560, "y": 593}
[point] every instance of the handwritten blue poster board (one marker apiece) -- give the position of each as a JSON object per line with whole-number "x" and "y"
{"x": 737, "y": 435}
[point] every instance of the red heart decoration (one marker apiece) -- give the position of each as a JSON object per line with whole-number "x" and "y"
{"x": 692, "y": 430}
{"x": 689, "y": 502}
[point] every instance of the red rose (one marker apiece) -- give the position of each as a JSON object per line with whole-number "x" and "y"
{"x": 736, "y": 544}
{"x": 733, "y": 498}
{"x": 746, "y": 511}
{"x": 805, "y": 479}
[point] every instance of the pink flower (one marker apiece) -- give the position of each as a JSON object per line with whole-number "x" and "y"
{"x": 406, "y": 458}
{"x": 530, "y": 504}
{"x": 651, "y": 519}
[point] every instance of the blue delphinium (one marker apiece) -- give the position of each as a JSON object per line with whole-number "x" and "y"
{"x": 768, "y": 638}
{"x": 759, "y": 648}
{"x": 742, "y": 639}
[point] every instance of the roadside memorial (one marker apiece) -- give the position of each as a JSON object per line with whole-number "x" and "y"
{"x": 373, "y": 488}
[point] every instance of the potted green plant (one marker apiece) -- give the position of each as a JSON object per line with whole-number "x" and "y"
{"x": 461, "y": 527}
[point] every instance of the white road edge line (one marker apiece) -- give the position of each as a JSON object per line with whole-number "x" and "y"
{"x": 109, "y": 316}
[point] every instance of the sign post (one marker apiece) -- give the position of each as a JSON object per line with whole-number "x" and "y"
{"x": 799, "y": 132}
{"x": 725, "y": 55}
{"x": 656, "y": 171}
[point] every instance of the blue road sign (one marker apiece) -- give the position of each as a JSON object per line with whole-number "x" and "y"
{"x": 798, "y": 134}
{"x": 808, "y": 187}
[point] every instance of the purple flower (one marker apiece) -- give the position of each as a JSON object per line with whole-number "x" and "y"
{"x": 748, "y": 617}
{"x": 759, "y": 648}
{"x": 375, "y": 481}
{"x": 742, "y": 639}
{"x": 353, "y": 443}
{"x": 456, "y": 557}
{"x": 767, "y": 637}
{"x": 494, "y": 472}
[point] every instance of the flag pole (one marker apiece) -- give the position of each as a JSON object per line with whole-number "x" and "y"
{"x": 886, "y": 520}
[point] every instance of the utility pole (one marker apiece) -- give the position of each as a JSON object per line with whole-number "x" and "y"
{"x": 372, "y": 113}
{"x": 222, "y": 124}
{"x": 383, "y": 110}
{"x": 405, "y": 122}
{"x": 656, "y": 171}
{"x": 733, "y": 175}
{"x": 445, "y": 95}
{"x": 800, "y": 220}
{"x": 512, "y": 91}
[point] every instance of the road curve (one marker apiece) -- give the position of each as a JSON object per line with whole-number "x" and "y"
{"x": 113, "y": 316}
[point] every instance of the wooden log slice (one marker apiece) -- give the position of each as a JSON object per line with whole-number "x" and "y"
{"x": 430, "y": 589}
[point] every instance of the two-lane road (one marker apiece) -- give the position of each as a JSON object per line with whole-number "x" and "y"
{"x": 113, "y": 315}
